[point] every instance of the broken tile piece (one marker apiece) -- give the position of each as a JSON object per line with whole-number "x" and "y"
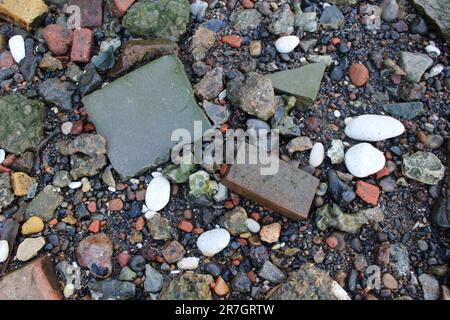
{"x": 302, "y": 83}
{"x": 35, "y": 281}
{"x": 25, "y": 13}
{"x": 138, "y": 112}
{"x": 290, "y": 191}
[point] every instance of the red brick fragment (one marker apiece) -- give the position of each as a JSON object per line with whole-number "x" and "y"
{"x": 120, "y": 7}
{"x": 233, "y": 41}
{"x": 368, "y": 192}
{"x": 83, "y": 40}
{"x": 91, "y": 12}
{"x": 58, "y": 38}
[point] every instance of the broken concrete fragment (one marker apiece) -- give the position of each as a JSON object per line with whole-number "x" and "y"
{"x": 35, "y": 281}
{"x": 290, "y": 191}
{"x": 25, "y": 13}
{"x": 302, "y": 83}
{"x": 138, "y": 125}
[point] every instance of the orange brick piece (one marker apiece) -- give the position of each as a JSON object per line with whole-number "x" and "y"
{"x": 368, "y": 192}
{"x": 35, "y": 281}
{"x": 233, "y": 41}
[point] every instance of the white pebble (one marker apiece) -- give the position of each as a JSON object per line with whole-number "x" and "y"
{"x": 75, "y": 185}
{"x": 158, "y": 193}
{"x": 371, "y": 127}
{"x": 213, "y": 241}
{"x": 287, "y": 44}
{"x": 317, "y": 155}
{"x": 252, "y": 225}
{"x": 17, "y": 47}
{"x": 4, "y": 250}
{"x": 190, "y": 263}
{"x": 431, "y": 48}
{"x": 437, "y": 69}
{"x": 363, "y": 160}
{"x": 68, "y": 290}
{"x": 2, "y": 155}
{"x": 66, "y": 128}
{"x": 337, "y": 114}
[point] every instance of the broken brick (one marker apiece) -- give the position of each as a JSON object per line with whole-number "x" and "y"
{"x": 58, "y": 38}
{"x": 382, "y": 173}
{"x": 367, "y": 192}
{"x": 35, "y": 281}
{"x": 91, "y": 12}
{"x": 120, "y": 7}
{"x": 290, "y": 191}
{"x": 233, "y": 41}
{"x": 83, "y": 40}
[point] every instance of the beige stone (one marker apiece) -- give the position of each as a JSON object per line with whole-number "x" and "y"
{"x": 21, "y": 183}
{"x": 25, "y": 13}
{"x": 32, "y": 225}
{"x": 270, "y": 233}
{"x": 29, "y": 248}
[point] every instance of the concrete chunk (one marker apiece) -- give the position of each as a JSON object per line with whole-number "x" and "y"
{"x": 138, "y": 112}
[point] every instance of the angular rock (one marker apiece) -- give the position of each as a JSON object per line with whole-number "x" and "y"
{"x": 25, "y": 13}
{"x": 302, "y": 83}
{"x": 254, "y": 95}
{"x": 120, "y": 7}
{"x": 58, "y": 38}
{"x": 436, "y": 11}
{"x": 136, "y": 52}
{"x": 159, "y": 227}
{"x": 292, "y": 200}
{"x": 271, "y": 272}
{"x": 211, "y": 84}
{"x": 29, "y": 248}
{"x": 235, "y": 221}
{"x": 332, "y": 18}
{"x": 83, "y": 40}
{"x": 217, "y": 113}
{"x": 424, "y": 167}
{"x": 44, "y": 204}
{"x": 188, "y": 286}
{"x": 303, "y": 285}
{"x": 86, "y": 166}
{"x": 21, "y": 183}
{"x": 202, "y": 41}
{"x": 57, "y": 92}
{"x": 6, "y": 194}
{"x": 85, "y": 143}
{"x": 141, "y": 123}
{"x": 414, "y": 64}
{"x": 282, "y": 21}
{"x": 430, "y": 287}
{"x": 90, "y": 80}
{"x": 405, "y": 110}
{"x": 21, "y": 123}
{"x": 165, "y": 19}
{"x": 35, "y": 281}
{"x": 95, "y": 252}
{"x": 153, "y": 280}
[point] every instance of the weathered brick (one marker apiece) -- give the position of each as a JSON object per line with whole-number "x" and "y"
{"x": 289, "y": 192}
{"x": 35, "y": 281}
{"x": 368, "y": 192}
{"x": 25, "y": 13}
{"x": 119, "y": 7}
{"x": 83, "y": 40}
{"x": 91, "y": 12}
{"x": 58, "y": 38}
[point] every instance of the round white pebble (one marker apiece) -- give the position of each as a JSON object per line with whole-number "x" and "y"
{"x": 190, "y": 263}
{"x": 66, "y": 127}
{"x": 17, "y": 47}
{"x": 213, "y": 241}
{"x": 252, "y": 225}
{"x": 287, "y": 44}
{"x": 4, "y": 250}
{"x": 75, "y": 185}
{"x": 158, "y": 193}
{"x": 363, "y": 160}
{"x": 317, "y": 155}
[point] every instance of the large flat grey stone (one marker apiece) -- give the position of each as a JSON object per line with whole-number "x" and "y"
{"x": 138, "y": 112}
{"x": 437, "y": 11}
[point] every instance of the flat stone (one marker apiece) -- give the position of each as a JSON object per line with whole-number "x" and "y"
{"x": 95, "y": 252}
{"x": 57, "y": 92}
{"x": 21, "y": 123}
{"x": 213, "y": 241}
{"x": 141, "y": 123}
{"x": 25, "y": 13}
{"x": 153, "y": 279}
{"x": 271, "y": 272}
{"x": 159, "y": 227}
{"x": 35, "y": 281}
{"x": 6, "y": 194}
{"x": 430, "y": 287}
{"x": 245, "y": 19}
{"x": 332, "y": 18}
{"x": 112, "y": 290}
{"x": 21, "y": 183}
{"x": 405, "y": 110}
{"x": 302, "y": 83}
{"x": 414, "y": 64}
{"x": 371, "y": 127}
{"x": 363, "y": 160}
{"x": 44, "y": 204}
{"x": 424, "y": 167}
{"x": 235, "y": 221}
{"x": 437, "y": 11}
{"x": 290, "y": 191}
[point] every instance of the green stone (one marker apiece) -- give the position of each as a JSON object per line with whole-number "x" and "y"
{"x": 44, "y": 204}
{"x": 405, "y": 110}
{"x": 138, "y": 113}
{"x": 165, "y": 19}
{"x": 189, "y": 286}
{"x": 200, "y": 184}
{"x": 424, "y": 167}
{"x": 179, "y": 173}
{"x": 21, "y": 123}
{"x": 302, "y": 83}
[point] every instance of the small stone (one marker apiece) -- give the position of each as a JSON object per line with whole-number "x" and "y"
{"x": 21, "y": 183}
{"x": 202, "y": 41}
{"x": 424, "y": 167}
{"x": 252, "y": 225}
{"x": 57, "y": 92}
{"x": 95, "y": 252}
{"x": 190, "y": 263}
{"x": 370, "y": 127}
{"x": 270, "y": 233}
{"x": 270, "y": 272}
{"x": 213, "y": 241}
{"x": 188, "y": 286}
{"x": 211, "y": 84}
{"x": 62, "y": 179}
{"x": 112, "y": 290}
{"x": 50, "y": 63}
{"x": 58, "y": 38}
{"x": 158, "y": 193}
{"x": 255, "y": 48}
{"x": 153, "y": 280}
{"x": 359, "y": 74}
{"x": 115, "y": 205}
{"x": 173, "y": 251}
{"x": 368, "y": 192}
{"x": 235, "y": 221}
{"x": 83, "y": 40}
{"x": 287, "y": 44}
{"x": 17, "y": 47}
{"x": 332, "y": 18}
{"x": 414, "y": 64}
{"x": 217, "y": 113}
{"x": 198, "y": 9}
{"x": 299, "y": 144}
{"x": 317, "y": 155}
{"x": 363, "y": 160}
{"x": 389, "y": 10}
{"x": 241, "y": 282}
{"x": 405, "y": 110}
{"x": 25, "y": 13}
{"x": 332, "y": 242}
{"x": 4, "y": 250}
{"x": 282, "y": 21}
{"x": 32, "y": 226}
{"x": 120, "y": 7}
{"x": 44, "y": 204}
{"x": 159, "y": 227}
{"x": 389, "y": 281}
{"x": 336, "y": 152}
{"x": 245, "y": 19}
{"x": 430, "y": 287}
{"x": 221, "y": 288}
{"x": 29, "y": 248}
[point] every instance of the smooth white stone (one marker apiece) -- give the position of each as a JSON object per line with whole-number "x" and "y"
{"x": 190, "y": 263}
{"x": 431, "y": 48}
{"x": 68, "y": 291}
{"x": 363, "y": 160}
{"x": 338, "y": 292}
{"x": 317, "y": 155}
{"x": 287, "y": 44}
{"x": 4, "y": 250}
{"x": 213, "y": 241}
{"x": 158, "y": 192}
{"x": 29, "y": 248}
{"x": 2, "y": 155}
{"x": 66, "y": 128}
{"x": 17, "y": 47}
{"x": 371, "y": 127}
{"x": 434, "y": 71}
{"x": 75, "y": 185}
{"x": 252, "y": 225}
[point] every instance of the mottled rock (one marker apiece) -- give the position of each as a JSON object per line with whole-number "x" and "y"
{"x": 245, "y": 19}
{"x": 235, "y": 221}
{"x": 159, "y": 227}
{"x": 44, "y": 204}
{"x": 211, "y": 84}
{"x": 25, "y": 13}
{"x": 95, "y": 252}
{"x": 57, "y": 92}
{"x": 424, "y": 167}
{"x": 188, "y": 286}
{"x": 112, "y": 290}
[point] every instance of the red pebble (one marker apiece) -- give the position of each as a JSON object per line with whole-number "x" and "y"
{"x": 4, "y": 169}
{"x": 251, "y": 276}
{"x": 255, "y": 216}
{"x": 140, "y": 223}
{"x": 332, "y": 242}
{"x": 368, "y": 192}
{"x": 9, "y": 159}
{"x": 88, "y": 127}
{"x": 58, "y": 38}
{"x": 123, "y": 258}
{"x": 198, "y": 231}
{"x": 185, "y": 226}
{"x": 94, "y": 227}
{"x": 83, "y": 40}
{"x": 228, "y": 205}
{"x": 233, "y": 41}
{"x": 247, "y": 4}
{"x": 120, "y": 7}
{"x": 382, "y": 173}
{"x": 77, "y": 128}
{"x": 92, "y": 206}
{"x": 6, "y": 60}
